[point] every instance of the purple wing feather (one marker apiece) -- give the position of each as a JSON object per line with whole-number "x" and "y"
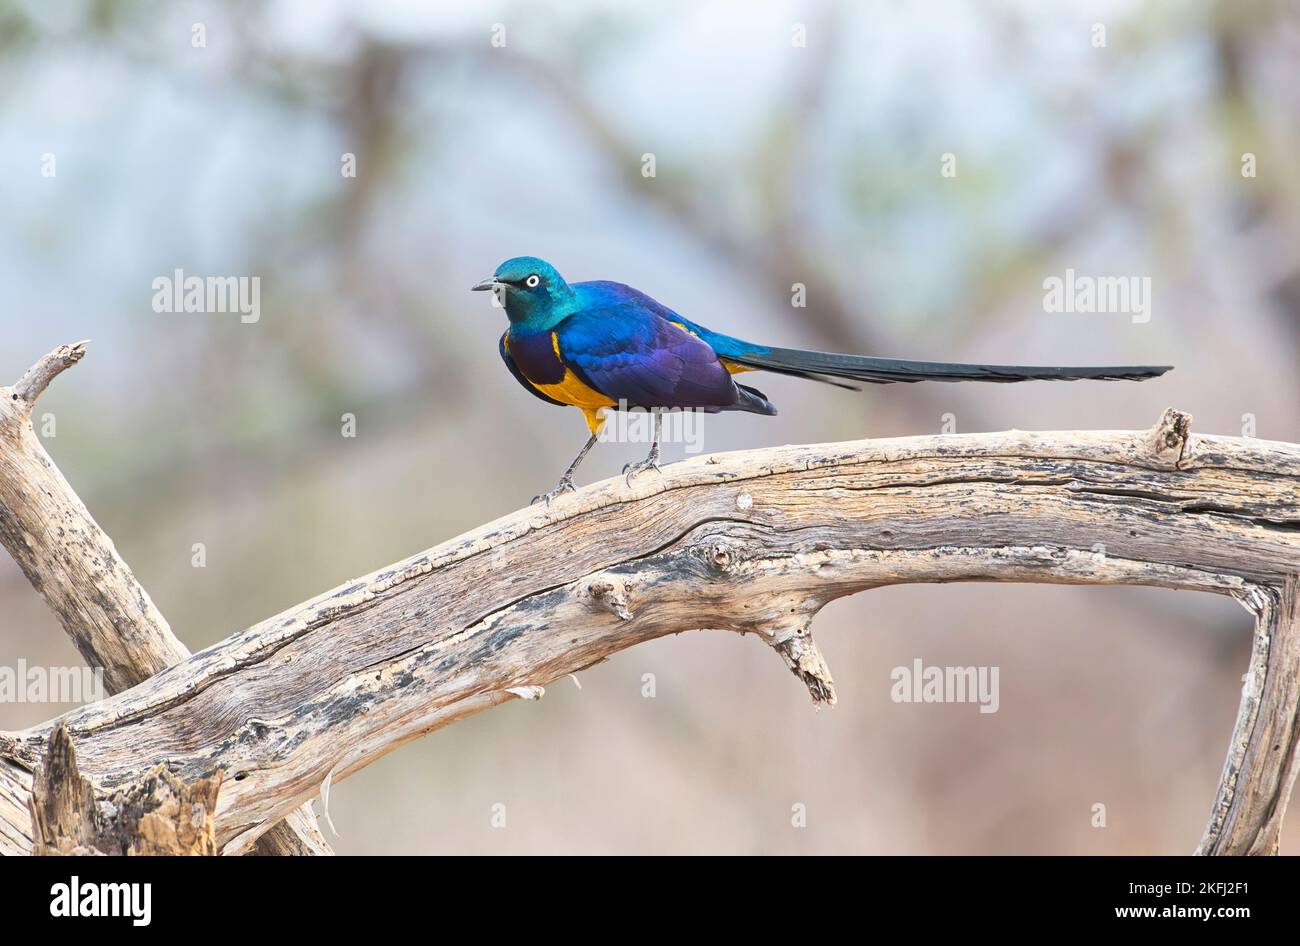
{"x": 629, "y": 353}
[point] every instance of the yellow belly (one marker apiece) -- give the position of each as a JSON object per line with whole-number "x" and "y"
{"x": 572, "y": 391}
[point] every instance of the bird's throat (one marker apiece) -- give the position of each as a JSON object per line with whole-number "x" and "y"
{"x": 533, "y": 314}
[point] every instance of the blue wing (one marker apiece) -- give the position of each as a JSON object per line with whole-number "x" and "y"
{"x": 630, "y": 353}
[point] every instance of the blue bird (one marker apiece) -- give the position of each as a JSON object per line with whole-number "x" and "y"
{"x": 597, "y": 345}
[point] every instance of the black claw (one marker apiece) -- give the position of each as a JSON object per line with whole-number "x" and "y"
{"x": 564, "y": 486}
{"x": 632, "y": 469}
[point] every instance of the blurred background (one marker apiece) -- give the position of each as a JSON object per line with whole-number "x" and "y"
{"x": 775, "y": 164}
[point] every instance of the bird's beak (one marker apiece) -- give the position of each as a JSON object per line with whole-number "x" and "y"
{"x": 483, "y": 285}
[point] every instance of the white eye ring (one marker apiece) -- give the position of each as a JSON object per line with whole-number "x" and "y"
{"x": 533, "y": 281}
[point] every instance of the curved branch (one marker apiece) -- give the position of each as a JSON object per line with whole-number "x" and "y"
{"x": 75, "y": 567}
{"x": 749, "y": 542}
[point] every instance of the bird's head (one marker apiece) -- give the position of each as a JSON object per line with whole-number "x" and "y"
{"x": 531, "y": 291}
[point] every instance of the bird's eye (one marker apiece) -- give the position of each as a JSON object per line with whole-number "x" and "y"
{"x": 533, "y": 281}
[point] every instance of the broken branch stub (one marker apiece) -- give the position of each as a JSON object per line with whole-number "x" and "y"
{"x": 157, "y": 815}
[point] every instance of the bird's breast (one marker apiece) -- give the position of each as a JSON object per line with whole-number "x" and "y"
{"x": 538, "y": 357}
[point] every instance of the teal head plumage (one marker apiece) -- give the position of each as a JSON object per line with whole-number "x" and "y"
{"x": 535, "y": 295}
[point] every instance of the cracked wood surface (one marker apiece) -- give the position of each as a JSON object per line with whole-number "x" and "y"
{"x": 75, "y": 567}
{"x": 751, "y": 542}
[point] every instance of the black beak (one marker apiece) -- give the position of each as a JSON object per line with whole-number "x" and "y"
{"x": 484, "y": 285}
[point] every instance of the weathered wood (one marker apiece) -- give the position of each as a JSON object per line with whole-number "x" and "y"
{"x": 66, "y": 555}
{"x": 75, "y": 567}
{"x": 1263, "y": 754}
{"x": 749, "y": 542}
{"x": 158, "y": 815}
{"x": 65, "y": 815}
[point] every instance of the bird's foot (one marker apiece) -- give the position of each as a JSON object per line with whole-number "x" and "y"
{"x": 649, "y": 463}
{"x": 564, "y": 486}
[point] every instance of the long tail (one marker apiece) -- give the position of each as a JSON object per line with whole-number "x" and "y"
{"x": 823, "y": 366}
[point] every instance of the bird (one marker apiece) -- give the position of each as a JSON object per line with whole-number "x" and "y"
{"x": 603, "y": 345}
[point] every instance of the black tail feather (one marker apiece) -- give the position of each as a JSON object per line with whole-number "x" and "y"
{"x": 753, "y": 400}
{"x": 822, "y": 366}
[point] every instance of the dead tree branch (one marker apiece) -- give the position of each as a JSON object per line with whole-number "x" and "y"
{"x": 749, "y": 542}
{"x": 66, "y": 555}
{"x": 74, "y": 565}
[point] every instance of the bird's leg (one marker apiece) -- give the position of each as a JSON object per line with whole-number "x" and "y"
{"x": 651, "y": 462}
{"x": 566, "y": 481}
